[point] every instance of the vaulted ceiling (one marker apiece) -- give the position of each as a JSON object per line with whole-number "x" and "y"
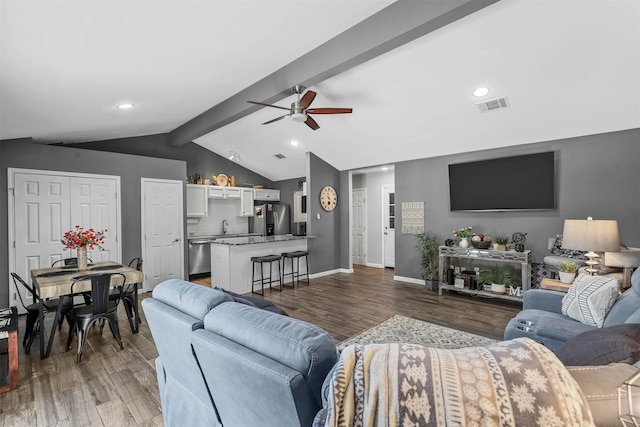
{"x": 408, "y": 69}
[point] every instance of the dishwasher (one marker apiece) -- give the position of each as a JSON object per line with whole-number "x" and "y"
{"x": 199, "y": 256}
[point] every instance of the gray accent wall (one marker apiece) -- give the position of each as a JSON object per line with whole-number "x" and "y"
{"x": 24, "y": 154}
{"x": 324, "y": 250}
{"x": 596, "y": 175}
{"x": 199, "y": 160}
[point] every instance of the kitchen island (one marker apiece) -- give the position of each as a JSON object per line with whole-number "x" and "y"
{"x": 231, "y": 264}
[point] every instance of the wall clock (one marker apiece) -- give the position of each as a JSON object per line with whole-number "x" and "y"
{"x": 328, "y": 198}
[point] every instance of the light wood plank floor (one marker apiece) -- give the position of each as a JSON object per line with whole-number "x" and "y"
{"x": 118, "y": 387}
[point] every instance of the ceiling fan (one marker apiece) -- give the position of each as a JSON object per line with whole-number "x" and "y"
{"x": 300, "y": 111}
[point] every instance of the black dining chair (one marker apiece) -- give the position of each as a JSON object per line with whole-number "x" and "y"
{"x": 85, "y": 315}
{"x": 128, "y": 298}
{"x": 33, "y": 311}
{"x": 68, "y": 262}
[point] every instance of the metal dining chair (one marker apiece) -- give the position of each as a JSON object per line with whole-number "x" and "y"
{"x": 67, "y": 262}
{"x": 33, "y": 311}
{"x": 128, "y": 297}
{"x": 85, "y": 315}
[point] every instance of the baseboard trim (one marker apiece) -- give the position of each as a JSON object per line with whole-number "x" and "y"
{"x": 329, "y": 272}
{"x": 409, "y": 280}
{"x": 369, "y": 264}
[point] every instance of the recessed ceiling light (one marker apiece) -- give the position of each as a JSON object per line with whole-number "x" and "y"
{"x": 385, "y": 168}
{"x": 481, "y": 91}
{"x": 234, "y": 156}
{"x": 125, "y": 106}
{"x": 293, "y": 142}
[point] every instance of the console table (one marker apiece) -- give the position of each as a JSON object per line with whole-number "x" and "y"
{"x": 477, "y": 259}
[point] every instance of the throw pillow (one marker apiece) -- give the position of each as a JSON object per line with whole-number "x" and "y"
{"x": 613, "y": 344}
{"x": 590, "y": 298}
{"x": 557, "y": 250}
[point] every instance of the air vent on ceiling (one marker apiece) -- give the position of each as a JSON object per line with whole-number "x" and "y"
{"x": 493, "y": 104}
{"x": 279, "y": 156}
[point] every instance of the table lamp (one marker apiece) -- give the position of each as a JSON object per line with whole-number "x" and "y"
{"x": 593, "y": 236}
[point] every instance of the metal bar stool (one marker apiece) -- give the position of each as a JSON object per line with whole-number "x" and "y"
{"x": 295, "y": 275}
{"x": 261, "y": 260}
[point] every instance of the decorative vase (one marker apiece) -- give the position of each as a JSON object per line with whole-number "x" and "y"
{"x": 82, "y": 258}
{"x": 464, "y": 242}
{"x": 566, "y": 277}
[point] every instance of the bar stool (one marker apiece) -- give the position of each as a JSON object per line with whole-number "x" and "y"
{"x": 295, "y": 275}
{"x": 267, "y": 259}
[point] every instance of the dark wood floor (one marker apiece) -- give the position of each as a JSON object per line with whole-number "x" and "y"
{"x": 118, "y": 387}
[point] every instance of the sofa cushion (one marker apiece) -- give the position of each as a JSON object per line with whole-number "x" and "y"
{"x": 599, "y": 384}
{"x": 590, "y": 298}
{"x": 301, "y": 346}
{"x": 194, "y": 300}
{"x": 618, "y": 343}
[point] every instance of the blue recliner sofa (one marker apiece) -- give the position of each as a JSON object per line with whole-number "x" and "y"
{"x": 226, "y": 363}
{"x": 542, "y": 320}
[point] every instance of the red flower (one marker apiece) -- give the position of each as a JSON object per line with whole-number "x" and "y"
{"x": 73, "y": 239}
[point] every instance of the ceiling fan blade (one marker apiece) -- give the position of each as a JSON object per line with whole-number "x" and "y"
{"x": 276, "y": 119}
{"x": 311, "y": 123}
{"x": 307, "y": 99}
{"x": 269, "y": 105}
{"x": 330, "y": 110}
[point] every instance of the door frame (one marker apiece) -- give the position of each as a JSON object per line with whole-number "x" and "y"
{"x": 11, "y": 172}
{"x": 143, "y": 226}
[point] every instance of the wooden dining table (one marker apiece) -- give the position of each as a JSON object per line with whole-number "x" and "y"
{"x": 55, "y": 282}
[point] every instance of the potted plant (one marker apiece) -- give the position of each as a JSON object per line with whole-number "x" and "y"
{"x": 501, "y": 243}
{"x": 498, "y": 277}
{"x": 567, "y": 271}
{"x": 428, "y": 247}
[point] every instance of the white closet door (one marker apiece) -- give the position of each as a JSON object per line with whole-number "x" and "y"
{"x": 41, "y": 217}
{"x": 93, "y": 205}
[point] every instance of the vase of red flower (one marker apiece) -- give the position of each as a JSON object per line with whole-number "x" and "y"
{"x": 82, "y": 240}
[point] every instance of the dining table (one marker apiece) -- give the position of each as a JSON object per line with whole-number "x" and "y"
{"x": 55, "y": 282}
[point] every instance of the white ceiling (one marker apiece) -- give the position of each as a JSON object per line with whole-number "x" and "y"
{"x": 569, "y": 68}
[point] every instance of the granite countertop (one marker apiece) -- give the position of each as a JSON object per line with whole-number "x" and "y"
{"x": 221, "y": 236}
{"x": 252, "y": 240}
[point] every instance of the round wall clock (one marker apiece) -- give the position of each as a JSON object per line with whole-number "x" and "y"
{"x": 328, "y": 198}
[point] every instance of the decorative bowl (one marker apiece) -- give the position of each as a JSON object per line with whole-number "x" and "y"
{"x": 481, "y": 245}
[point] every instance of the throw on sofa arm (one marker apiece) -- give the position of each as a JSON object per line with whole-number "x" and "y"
{"x": 543, "y": 299}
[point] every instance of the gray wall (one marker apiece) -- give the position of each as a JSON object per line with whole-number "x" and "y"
{"x": 199, "y": 160}
{"x": 596, "y": 175}
{"x": 25, "y": 154}
{"x": 324, "y": 250}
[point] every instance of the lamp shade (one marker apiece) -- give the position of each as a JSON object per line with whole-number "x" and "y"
{"x": 591, "y": 235}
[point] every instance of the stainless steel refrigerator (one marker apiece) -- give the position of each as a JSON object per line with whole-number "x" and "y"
{"x": 270, "y": 219}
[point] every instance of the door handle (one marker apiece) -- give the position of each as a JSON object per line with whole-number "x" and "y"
{"x": 176, "y": 240}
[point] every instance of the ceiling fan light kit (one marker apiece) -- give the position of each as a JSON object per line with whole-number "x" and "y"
{"x": 300, "y": 111}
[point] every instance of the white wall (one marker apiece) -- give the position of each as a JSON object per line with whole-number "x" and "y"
{"x": 220, "y": 209}
{"x": 373, "y": 182}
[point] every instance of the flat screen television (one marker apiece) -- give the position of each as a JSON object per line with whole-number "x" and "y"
{"x": 525, "y": 182}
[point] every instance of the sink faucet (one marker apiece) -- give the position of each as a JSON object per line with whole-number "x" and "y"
{"x": 225, "y": 226}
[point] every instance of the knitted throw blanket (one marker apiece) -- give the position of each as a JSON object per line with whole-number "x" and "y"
{"x": 511, "y": 383}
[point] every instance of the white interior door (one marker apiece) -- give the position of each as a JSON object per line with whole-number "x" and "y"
{"x": 389, "y": 225}
{"x": 359, "y": 229}
{"x": 93, "y": 206}
{"x": 162, "y": 231}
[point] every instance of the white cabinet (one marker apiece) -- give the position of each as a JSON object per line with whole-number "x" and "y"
{"x": 197, "y": 202}
{"x": 267, "y": 195}
{"x": 217, "y": 192}
{"x": 246, "y": 202}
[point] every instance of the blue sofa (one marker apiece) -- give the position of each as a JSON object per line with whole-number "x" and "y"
{"x": 224, "y": 362}
{"x": 542, "y": 320}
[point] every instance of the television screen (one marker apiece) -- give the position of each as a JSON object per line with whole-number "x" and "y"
{"x": 525, "y": 182}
